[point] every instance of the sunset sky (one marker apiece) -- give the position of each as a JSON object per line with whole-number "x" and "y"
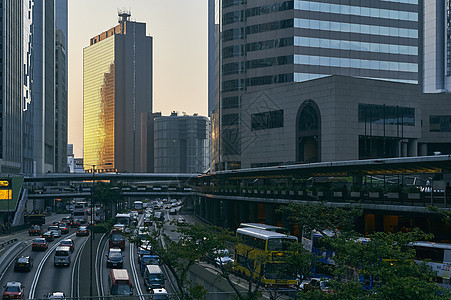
{"x": 179, "y": 31}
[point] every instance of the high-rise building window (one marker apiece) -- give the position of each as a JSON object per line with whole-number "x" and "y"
{"x": 229, "y": 3}
{"x": 267, "y": 120}
{"x": 440, "y": 123}
{"x": 385, "y": 114}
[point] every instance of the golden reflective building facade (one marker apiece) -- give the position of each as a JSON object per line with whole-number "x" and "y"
{"x": 98, "y": 104}
{"x": 117, "y": 92}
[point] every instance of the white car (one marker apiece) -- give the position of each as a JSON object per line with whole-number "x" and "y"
{"x": 223, "y": 257}
{"x": 55, "y": 230}
{"x": 56, "y": 295}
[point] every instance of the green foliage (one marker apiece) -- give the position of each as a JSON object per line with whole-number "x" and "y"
{"x": 445, "y": 214}
{"x": 375, "y": 188}
{"x": 196, "y": 243}
{"x": 104, "y": 226}
{"x": 394, "y": 188}
{"x": 320, "y": 217}
{"x": 388, "y": 260}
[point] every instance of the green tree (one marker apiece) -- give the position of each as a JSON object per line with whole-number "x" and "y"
{"x": 386, "y": 261}
{"x": 196, "y": 243}
{"x": 320, "y": 217}
{"x": 107, "y": 195}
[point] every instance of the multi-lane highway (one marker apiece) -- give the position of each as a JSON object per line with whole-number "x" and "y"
{"x": 86, "y": 273}
{"x": 43, "y": 278}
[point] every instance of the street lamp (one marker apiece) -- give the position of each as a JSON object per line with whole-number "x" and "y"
{"x": 92, "y": 232}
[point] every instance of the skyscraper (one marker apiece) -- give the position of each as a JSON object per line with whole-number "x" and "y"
{"x": 272, "y": 43}
{"x": 15, "y": 71}
{"x": 42, "y": 105}
{"x": 61, "y": 71}
{"x": 181, "y": 144}
{"x": 436, "y": 72}
{"x": 117, "y": 89}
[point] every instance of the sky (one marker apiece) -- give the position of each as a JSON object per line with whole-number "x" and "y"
{"x": 180, "y": 40}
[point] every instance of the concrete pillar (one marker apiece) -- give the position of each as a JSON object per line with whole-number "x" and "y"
{"x": 215, "y": 213}
{"x": 413, "y": 147}
{"x": 243, "y": 211}
{"x": 208, "y": 205}
{"x": 403, "y": 149}
{"x": 270, "y": 213}
{"x": 253, "y": 212}
{"x": 423, "y": 149}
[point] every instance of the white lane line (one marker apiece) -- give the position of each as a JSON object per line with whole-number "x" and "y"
{"x": 99, "y": 281}
{"x": 135, "y": 274}
{"x": 77, "y": 263}
{"x": 38, "y": 271}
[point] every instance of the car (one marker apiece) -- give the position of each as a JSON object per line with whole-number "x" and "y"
{"x": 75, "y": 223}
{"x": 114, "y": 258}
{"x": 64, "y": 229}
{"x": 13, "y": 290}
{"x": 35, "y": 230}
{"x": 56, "y": 230}
{"x": 39, "y": 243}
{"x": 145, "y": 249}
{"x": 82, "y": 231}
{"x": 48, "y": 235}
{"x": 223, "y": 257}
{"x": 23, "y": 263}
{"x": 69, "y": 243}
{"x": 318, "y": 284}
{"x": 66, "y": 220}
{"x": 56, "y": 295}
{"x": 181, "y": 221}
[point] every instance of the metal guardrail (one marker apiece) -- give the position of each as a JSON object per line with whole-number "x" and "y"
{"x": 2, "y": 245}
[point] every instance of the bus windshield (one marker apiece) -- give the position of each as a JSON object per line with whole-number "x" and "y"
{"x": 280, "y": 244}
{"x": 278, "y": 271}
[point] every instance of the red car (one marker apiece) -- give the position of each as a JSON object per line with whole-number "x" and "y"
{"x": 13, "y": 290}
{"x": 35, "y": 230}
{"x": 39, "y": 244}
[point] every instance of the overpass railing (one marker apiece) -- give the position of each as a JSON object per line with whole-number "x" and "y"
{"x": 437, "y": 198}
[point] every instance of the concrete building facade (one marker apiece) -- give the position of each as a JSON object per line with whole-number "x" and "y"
{"x": 61, "y": 86}
{"x": 341, "y": 118}
{"x": 15, "y": 81}
{"x": 265, "y": 44}
{"x": 117, "y": 88}
{"x": 436, "y": 47}
{"x": 181, "y": 144}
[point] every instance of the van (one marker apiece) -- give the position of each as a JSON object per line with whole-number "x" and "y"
{"x": 62, "y": 256}
{"x": 153, "y": 277}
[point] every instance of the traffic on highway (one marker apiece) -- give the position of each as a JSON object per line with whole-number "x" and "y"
{"x": 54, "y": 260}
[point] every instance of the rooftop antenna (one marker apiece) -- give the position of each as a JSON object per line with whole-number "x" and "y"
{"x": 123, "y": 15}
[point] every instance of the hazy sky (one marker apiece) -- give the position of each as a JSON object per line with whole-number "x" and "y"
{"x": 179, "y": 31}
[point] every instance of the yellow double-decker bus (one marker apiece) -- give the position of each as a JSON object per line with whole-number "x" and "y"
{"x": 259, "y": 255}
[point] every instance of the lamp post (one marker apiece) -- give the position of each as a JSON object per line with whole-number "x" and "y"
{"x": 92, "y": 232}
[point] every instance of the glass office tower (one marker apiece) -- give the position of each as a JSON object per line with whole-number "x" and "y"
{"x": 271, "y": 43}
{"x": 117, "y": 90}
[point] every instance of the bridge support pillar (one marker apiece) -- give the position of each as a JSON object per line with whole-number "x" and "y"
{"x": 202, "y": 207}
{"x": 270, "y": 213}
{"x": 253, "y": 212}
{"x": 243, "y": 212}
{"x": 216, "y": 212}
